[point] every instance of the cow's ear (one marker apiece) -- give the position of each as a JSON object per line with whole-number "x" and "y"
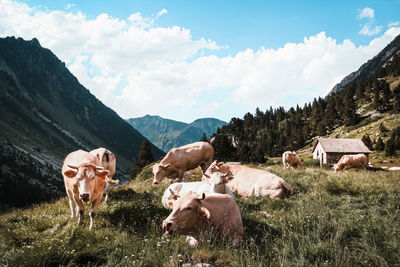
{"x": 170, "y": 203}
{"x": 165, "y": 166}
{"x": 70, "y": 173}
{"x": 102, "y": 173}
{"x": 204, "y": 213}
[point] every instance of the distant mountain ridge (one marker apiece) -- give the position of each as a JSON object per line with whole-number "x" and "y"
{"x": 45, "y": 113}
{"x": 368, "y": 68}
{"x": 166, "y": 133}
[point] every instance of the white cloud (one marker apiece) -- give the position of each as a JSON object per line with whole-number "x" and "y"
{"x": 162, "y": 12}
{"x": 367, "y": 12}
{"x": 69, "y": 6}
{"x": 394, "y": 24}
{"x": 137, "y": 68}
{"x": 367, "y": 30}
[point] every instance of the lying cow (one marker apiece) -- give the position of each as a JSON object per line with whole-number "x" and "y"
{"x": 181, "y": 159}
{"x": 193, "y": 214}
{"x": 351, "y": 161}
{"x": 84, "y": 179}
{"x": 252, "y": 182}
{"x": 109, "y": 162}
{"x": 290, "y": 159}
{"x": 215, "y": 184}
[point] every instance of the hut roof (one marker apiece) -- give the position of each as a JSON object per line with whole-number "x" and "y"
{"x": 338, "y": 145}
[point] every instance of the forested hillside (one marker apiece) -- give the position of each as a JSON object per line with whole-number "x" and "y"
{"x": 271, "y": 132}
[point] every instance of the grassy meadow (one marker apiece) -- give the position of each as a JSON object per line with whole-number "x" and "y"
{"x": 344, "y": 219}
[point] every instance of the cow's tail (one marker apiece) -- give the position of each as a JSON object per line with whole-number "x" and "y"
{"x": 288, "y": 190}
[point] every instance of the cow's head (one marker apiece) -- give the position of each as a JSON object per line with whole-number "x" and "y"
{"x": 336, "y": 167}
{"x": 186, "y": 212}
{"x": 216, "y": 166}
{"x": 86, "y": 174}
{"x": 159, "y": 171}
{"x": 217, "y": 181}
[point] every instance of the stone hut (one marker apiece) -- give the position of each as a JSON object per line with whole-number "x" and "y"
{"x": 330, "y": 150}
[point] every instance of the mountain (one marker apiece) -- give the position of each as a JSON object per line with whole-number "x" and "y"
{"x": 369, "y": 68}
{"x": 166, "y": 134}
{"x": 45, "y": 113}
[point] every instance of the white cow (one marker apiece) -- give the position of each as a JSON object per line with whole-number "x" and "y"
{"x": 216, "y": 183}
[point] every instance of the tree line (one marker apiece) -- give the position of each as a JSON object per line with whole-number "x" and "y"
{"x": 271, "y": 132}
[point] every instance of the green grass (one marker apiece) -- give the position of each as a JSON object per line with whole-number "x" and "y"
{"x": 343, "y": 219}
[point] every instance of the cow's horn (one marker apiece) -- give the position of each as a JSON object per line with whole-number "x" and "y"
{"x": 73, "y": 167}
{"x": 206, "y": 175}
{"x": 99, "y": 167}
{"x": 173, "y": 193}
{"x": 203, "y": 196}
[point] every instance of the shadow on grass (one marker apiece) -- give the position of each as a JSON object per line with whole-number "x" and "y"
{"x": 136, "y": 212}
{"x": 260, "y": 233}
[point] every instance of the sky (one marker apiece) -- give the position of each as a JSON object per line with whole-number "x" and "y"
{"x": 185, "y": 60}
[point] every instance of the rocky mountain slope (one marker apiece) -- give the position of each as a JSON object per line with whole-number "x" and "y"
{"x": 166, "y": 134}
{"x": 45, "y": 113}
{"x": 369, "y": 68}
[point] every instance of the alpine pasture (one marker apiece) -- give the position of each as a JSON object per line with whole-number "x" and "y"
{"x": 345, "y": 219}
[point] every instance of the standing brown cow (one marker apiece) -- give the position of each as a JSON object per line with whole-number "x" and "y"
{"x": 109, "y": 162}
{"x": 184, "y": 158}
{"x": 290, "y": 159}
{"x": 351, "y": 161}
{"x": 84, "y": 179}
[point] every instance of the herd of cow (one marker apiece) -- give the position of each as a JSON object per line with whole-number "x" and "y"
{"x": 196, "y": 206}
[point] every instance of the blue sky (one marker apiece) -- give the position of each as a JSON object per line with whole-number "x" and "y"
{"x": 189, "y": 59}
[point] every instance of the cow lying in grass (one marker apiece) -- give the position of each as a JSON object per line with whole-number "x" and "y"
{"x": 84, "y": 179}
{"x": 252, "y": 182}
{"x": 109, "y": 162}
{"x": 193, "y": 214}
{"x": 216, "y": 183}
{"x": 351, "y": 161}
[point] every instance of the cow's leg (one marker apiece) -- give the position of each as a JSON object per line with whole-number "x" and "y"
{"x": 180, "y": 175}
{"x": 80, "y": 209}
{"x": 106, "y": 191}
{"x": 72, "y": 204}
{"x": 93, "y": 212}
{"x": 277, "y": 194}
{"x": 192, "y": 241}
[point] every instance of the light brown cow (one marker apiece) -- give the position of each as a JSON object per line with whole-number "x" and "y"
{"x": 351, "y": 161}
{"x": 109, "y": 162}
{"x": 84, "y": 180}
{"x": 214, "y": 184}
{"x": 193, "y": 214}
{"x": 184, "y": 158}
{"x": 252, "y": 182}
{"x": 290, "y": 159}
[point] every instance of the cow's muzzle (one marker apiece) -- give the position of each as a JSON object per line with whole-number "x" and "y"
{"x": 167, "y": 226}
{"x": 155, "y": 182}
{"x": 84, "y": 197}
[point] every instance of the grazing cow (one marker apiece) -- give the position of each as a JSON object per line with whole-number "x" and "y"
{"x": 351, "y": 161}
{"x": 84, "y": 179}
{"x": 181, "y": 159}
{"x": 290, "y": 159}
{"x": 215, "y": 184}
{"x": 252, "y": 182}
{"x": 108, "y": 162}
{"x": 193, "y": 214}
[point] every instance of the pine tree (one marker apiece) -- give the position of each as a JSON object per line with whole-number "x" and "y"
{"x": 380, "y": 146}
{"x": 382, "y": 128}
{"x": 204, "y": 138}
{"x": 367, "y": 141}
{"x": 396, "y": 94}
{"x": 387, "y": 96}
{"x": 145, "y": 157}
{"x": 390, "y": 149}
